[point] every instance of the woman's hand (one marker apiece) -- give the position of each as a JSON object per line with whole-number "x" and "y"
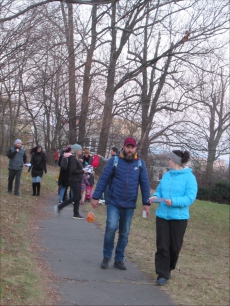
{"x": 151, "y": 198}
{"x": 168, "y": 202}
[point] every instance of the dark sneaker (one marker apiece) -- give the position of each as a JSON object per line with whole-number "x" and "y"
{"x": 119, "y": 265}
{"x": 56, "y": 210}
{"x": 105, "y": 263}
{"x": 161, "y": 281}
{"x": 78, "y": 217}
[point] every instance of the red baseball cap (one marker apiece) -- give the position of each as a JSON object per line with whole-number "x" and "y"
{"x": 130, "y": 141}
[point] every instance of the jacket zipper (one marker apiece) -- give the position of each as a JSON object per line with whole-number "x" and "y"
{"x": 127, "y": 183}
{"x": 170, "y": 191}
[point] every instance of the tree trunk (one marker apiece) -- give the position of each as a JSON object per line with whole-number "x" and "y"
{"x": 71, "y": 70}
{"x": 87, "y": 80}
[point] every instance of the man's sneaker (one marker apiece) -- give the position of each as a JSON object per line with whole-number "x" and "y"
{"x": 56, "y": 210}
{"x": 105, "y": 263}
{"x": 59, "y": 202}
{"x": 119, "y": 265}
{"x": 78, "y": 217}
{"x": 161, "y": 281}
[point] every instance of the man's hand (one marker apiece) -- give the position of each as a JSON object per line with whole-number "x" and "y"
{"x": 94, "y": 203}
{"x": 147, "y": 209}
{"x": 17, "y": 150}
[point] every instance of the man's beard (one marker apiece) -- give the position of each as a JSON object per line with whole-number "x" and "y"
{"x": 128, "y": 157}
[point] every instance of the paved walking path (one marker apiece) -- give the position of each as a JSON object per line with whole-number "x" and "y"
{"x": 73, "y": 249}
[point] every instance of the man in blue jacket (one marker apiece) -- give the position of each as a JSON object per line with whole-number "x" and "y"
{"x": 124, "y": 179}
{"x": 17, "y": 157}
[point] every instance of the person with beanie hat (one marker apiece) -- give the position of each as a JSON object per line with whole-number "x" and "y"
{"x": 17, "y": 157}
{"x": 38, "y": 165}
{"x": 75, "y": 177}
{"x": 17, "y": 141}
{"x": 86, "y": 159}
{"x": 76, "y": 147}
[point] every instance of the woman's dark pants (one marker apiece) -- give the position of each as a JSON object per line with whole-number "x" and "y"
{"x": 170, "y": 234}
{"x": 76, "y": 197}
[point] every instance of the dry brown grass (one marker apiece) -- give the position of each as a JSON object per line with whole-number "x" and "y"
{"x": 25, "y": 276}
{"x": 202, "y": 273}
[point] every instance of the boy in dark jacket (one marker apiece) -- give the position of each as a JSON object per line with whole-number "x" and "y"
{"x": 121, "y": 199}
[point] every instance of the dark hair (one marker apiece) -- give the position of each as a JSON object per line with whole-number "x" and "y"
{"x": 185, "y": 156}
{"x": 115, "y": 149}
{"x": 35, "y": 149}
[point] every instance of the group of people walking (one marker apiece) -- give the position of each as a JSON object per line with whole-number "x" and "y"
{"x": 123, "y": 174}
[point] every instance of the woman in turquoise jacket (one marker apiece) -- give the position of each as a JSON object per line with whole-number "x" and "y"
{"x": 175, "y": 193}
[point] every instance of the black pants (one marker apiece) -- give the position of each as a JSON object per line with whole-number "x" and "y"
{"x": 170, "y": 234}
{"x": 75, "y": 197}
{"x": 14, "y": 174}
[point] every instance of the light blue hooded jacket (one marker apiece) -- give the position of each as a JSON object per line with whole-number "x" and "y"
{"x": 181, "y": 187}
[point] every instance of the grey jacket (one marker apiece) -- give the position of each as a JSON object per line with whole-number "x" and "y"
{"x": 16, "y": 159}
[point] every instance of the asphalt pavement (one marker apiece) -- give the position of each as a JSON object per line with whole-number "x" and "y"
{"x": 73, "y": 250}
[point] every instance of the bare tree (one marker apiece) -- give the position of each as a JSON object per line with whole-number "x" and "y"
{"x": 208, "y": 120}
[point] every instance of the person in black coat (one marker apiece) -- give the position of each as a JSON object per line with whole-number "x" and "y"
{"x": 75, "y": 177}
{"x": 38, "y": 166}
{"x": 63, "y": 181}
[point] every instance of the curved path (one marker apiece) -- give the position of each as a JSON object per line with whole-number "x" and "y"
{"x": 73, "y": 249}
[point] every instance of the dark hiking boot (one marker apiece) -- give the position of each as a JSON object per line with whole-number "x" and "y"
{"x": 119, "y": 265}
{"x": 105, "y": 263}
{"x": 161, "y": 281}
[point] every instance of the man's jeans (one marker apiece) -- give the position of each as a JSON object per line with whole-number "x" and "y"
{"x": 14, "y": 174}
{"x": 117, "y": 218}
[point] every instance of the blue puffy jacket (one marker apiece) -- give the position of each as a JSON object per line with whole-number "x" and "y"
{"x": 181, "y": 187}
{"x": 123, "y": 188}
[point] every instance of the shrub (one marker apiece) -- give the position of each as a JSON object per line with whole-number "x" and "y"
{"x": 219, "y": 193}
{"x": 204, "y": 193}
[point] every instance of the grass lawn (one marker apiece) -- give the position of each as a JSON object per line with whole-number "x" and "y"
{"x": 25, "y": 277}
{"x": 202, "y": 273}
{"x": 201, "y": 277}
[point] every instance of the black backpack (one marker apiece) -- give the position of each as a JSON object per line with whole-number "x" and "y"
{"x": 64, "y": 163}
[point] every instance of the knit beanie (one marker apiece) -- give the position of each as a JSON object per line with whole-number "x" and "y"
{"x": 86, "y": 151}
{"x": 76, "y": 147}
{"x": 17, "y": 141}
{"x": 67, "y": 149}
